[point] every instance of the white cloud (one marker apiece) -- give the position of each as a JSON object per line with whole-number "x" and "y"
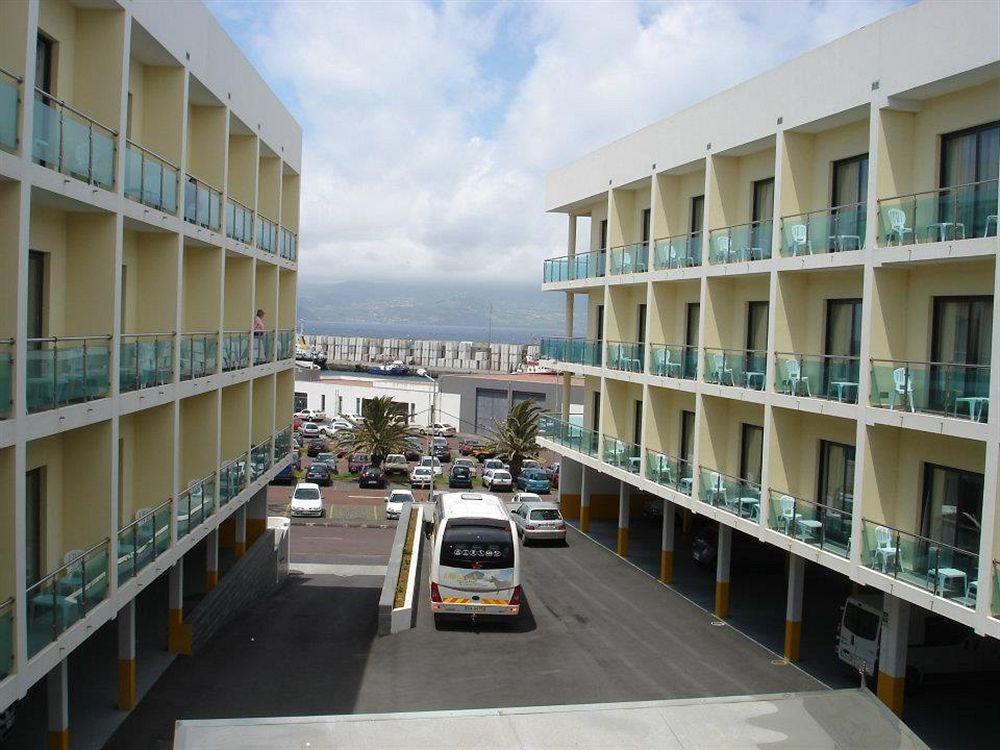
{"x": 429, "y": 128}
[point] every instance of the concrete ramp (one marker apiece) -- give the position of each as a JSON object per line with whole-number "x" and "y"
{"x": 841, "y": 719}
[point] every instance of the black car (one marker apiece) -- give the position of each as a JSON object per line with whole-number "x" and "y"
{"x": 460, "y": 476}
{"x": 320, "y": 473}
{"x": 372, "y": 476}
{"x": 316, "y": 446}
{"x": 413, "y": 451}
{"x": 443, "y": 454}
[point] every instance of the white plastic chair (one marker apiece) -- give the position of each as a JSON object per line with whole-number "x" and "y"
{"x": 800, "y": 240}
{"x": 786, "y": 515}
{"x": 720, "y": 370}
{"x": 721, "y": 248}
{"x": 902, "y": 386}
{"x": 717, "y": 487}
{"x": 897, "y": 225}
{"x": 990, "y": 220}
{"x": 884, "y": 548}
{"x": 793, "y": 377}
{"x": 667, "y": 367}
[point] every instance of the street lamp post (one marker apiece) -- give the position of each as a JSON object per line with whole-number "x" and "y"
{"x": 430, "y": 420}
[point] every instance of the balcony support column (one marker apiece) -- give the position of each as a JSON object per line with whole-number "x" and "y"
{"x": 624, "y": 496}
{"x": 793, "y": 607}
{"x": 178, "y": 631}
{"x": 667, "y": 543}
{"x": 57, "y": 698}
{"x": 892, "y": 652}
{"x": 240, "y": 531}
{"x": 584, "y": 499}
{"x": 126, "y": 656}
{"x": 256, "y": 515}
{"x": 722, "y": 556}
{"x": 212, "y": 559}
{"x": 567, "y": 380}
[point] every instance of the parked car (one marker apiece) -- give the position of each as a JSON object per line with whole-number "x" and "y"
{"x": 705, "y": 543}
{"x": 414, "y": 449}
{"x": 421, "y": 476}
{"x": 311, "y": 415}
{"x": 530, "y": 463}
{"x": 553, "y": 471}
{"x": 341, "y": 424}
{"x": 460, "y": 476}
{"x": 296, "y": 424}
{"x": 286, "y": 475}
{"x": 439, "y": 428}
{"x": 534, "y": 480}
{"x": 483, "y": 453}
{"x": 442, "y": 454}
{"x": 309, "y": 430}
{"x": 394, "y": 503}
{"x": 432, "y": 462}
{"x": 538, "y": 521}
{"x": 357, "y": 462}
{"x": 498, "y": 479}
{"x": 526, "y": 497}
{"x": 372, "y": 476}
{"x": 316, "y": 446}
{"x": 467, "y": 463}
{"x": 466, "y": 447}
{"x": 395, "y": 463}
{"x": 330, "y": 459}
{"x": 307, "y": 500}
{"x": 319, "y": 473}
{"x": 492, "y": 463}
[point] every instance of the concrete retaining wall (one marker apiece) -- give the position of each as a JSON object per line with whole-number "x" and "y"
{"x": 390, "y": 619}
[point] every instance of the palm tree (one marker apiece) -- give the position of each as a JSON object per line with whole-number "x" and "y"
{"x": 379, "y": 431}
{"x": 515, "y": 437}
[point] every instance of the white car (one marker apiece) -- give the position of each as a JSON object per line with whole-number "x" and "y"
{"x": 526, "y": 497}
{"x": 341, "y": 424}
{"x": 394, "y": 503}
{"x": 309, "y": 430}
{"x": 439, "y": 428}
{"x": 421, "y": 476}
{"x": 431, "y": 463}
{"x": 311, "y": 415}
{"x": 307, "y": 500}
{"x": 493, "y": 463}
{"x": 498, "y": 479}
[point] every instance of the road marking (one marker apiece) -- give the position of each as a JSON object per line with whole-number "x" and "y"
{"x": 362, "y": 497}
{"x": 338, "y": 570}
{"x": 374, "y": 514}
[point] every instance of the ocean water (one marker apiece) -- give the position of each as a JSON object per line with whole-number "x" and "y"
{"x": 499, "y": 334}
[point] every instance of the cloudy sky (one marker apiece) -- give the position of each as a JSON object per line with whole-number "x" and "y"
{"x": 429, "y": 126}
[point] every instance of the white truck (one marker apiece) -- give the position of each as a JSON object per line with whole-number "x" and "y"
{"x": 936, "y": 644}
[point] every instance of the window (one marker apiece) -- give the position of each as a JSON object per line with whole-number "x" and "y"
{"x": 33, "y": 523}
{"x": 697, "y": 213}
{"x": 961, "y": 334}
{"x": 952, "y": 507}
{"x": 128, "y": 116}
{"x": 969, "y": 157}
{"x": 480, "y": 547}
{"x": 645, "y": 225}
{"x": 599, "y": 333}
{"x": 597, "y": 411}
{"x": 604, "y": 234}
{"x": 301, "y": 401}
{"x": 756, "y": 340}
{"x": 545, "y": 514}
{"x": 340, "y": 405}
{"x": 641, "y": 324}
{"x": 849, "y": 197}
{"x": 322, "y": 402}
{"x": 687, "y": 436}
{"x": 36, "y": 294}
{"x": 44, "y": 53}
{"x": 836, "y": 475}
{"x": 842, "y": 342}
{"x": 763, "y": 200}
{"x": 637, "y": 423}
{"x": 751, "y": 452}
{"x": 124, "y": 296}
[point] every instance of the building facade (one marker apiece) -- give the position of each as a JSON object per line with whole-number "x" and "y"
{"x": 486, "y": 399}
{"x": 792, "y": 300}
{"x": 149, "y": 205}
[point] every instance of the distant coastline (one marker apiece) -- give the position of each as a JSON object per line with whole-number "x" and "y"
{"x": 433, "y": 332}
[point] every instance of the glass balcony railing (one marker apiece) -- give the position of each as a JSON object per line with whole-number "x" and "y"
{"x": 70, "y": 142}
{"x": 736, "y": 367}
{"x": 625, "y": 356}
{"x": 629, "y": 259}
{"x": 235, "y": 350}
{"x": 943, "y": 570}
{"x": 63, "y": 371}
{"x": 944, "y": 388}
{"x": 741, "y": 497}
{"x": 239, "y": 222}
{"x": 145, "y": 360}
{"x": 573, "y": 267}
{"x": 574, "y": 351}
{"x": 680, "y": 251}
{"x": 6, "y": 378}
{"x": 831, "y": 377}
{"x": 202, "y": 204}
{"x": 286, "y": 344}
{"x": 144, "y": 540}
{"x": 65, "y": 596}
{"x": 569, "y": 435}
{"x": 674, "y": 361}
{"x": 743, "y": 242}
{"x": 267, "y": 235}
{"x": 10, "y": 105}
{"x": 828, "y": 230}
{"x": 232, "y": 478}
{"x": 282, "y": 443}
{"x": 195, "y": 504}
{"x": 818, "y": 525}
{"x": 199, "y": 354}
{"x": 621, "y": 454}
{"x": 150, "y": 179}
{"x": 669, "y": 471}
{"x": 263, "y": 347}
{"x": 952, "y": 213}
{"x": 288, "y": 244}
{"x": 260, "y": 459}
{"x": 6, "y": 637}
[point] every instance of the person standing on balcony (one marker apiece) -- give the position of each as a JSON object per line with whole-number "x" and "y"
{"x": 258, "y": 323}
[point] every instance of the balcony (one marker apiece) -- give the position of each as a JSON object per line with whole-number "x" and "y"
{"x": 235, "y": 350}
{"x": 282, "y": 443}
{"x": 680, "y": 251}
{"x": 6, "y": 380}
{"x": 740, "y": 243}
{"x": 620, "y": 454}
{"x": 70, "y": 142}
{"x": 267, "y": 235}
{"x": 829, "y": 377}
{"x": 628, "y": 259}
{"x": 625, "y": 356}
{"x": 573, "y": 267}
{"x": 146, "y": 361}
{"x": 6, "y": 637}
{"x": 199, "y": 354}
{"x": 263, "y": 347}
{"x": 577, "y": 351}
{"x": 827, "y": 230}
{"x": 947, "y": 214}
{"x": 67, "y": 370}
{"x": 936, "y": 567}
{"x": 239, "y": 222}
{"x": 144, "y": 540}
{"x": 288, "y": 244}
{"x": 10, "y": 105}
{"x": 62, "y": 598}
{"x": 568, "y": 435}
{"x": 741, "y": 497}
{"x": 286, "y": 344}
{"x": 942, "y": 388}
{"x": 674, "y": 361}
{"x": 669, "y": 471}
{"x": 818, "y": 525}
{"x": 150, "y": 179}
{"x": 735, "y": 367}
{"x": 202, "y": 204}
{"x": 195, "y": 504}
{"x": 232, "y": 478}
{"x": 260, "y": 459}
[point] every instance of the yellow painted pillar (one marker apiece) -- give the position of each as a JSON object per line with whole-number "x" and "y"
{"x": 667, "y": 543}
{"x": 126, "y": 657}
{"x": 793, "y": 606}
{"x": 178, "y": 631}
{"x": 892, "y": 653}
{"x": 584, "y": 500}
{"x": 624, "y": 493}
{"x": 722, "y": 571}
{"x": 57, "y": 698}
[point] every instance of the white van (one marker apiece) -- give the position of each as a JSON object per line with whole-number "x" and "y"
{"x": 475, "y": 563}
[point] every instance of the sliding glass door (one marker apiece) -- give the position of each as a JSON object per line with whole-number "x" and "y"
{"x": 842, "y": 346}
{"x": 970, "y": 158}
{"x": 952, "y": 506}
{"x": 849, "y": 198}
{"x": 961, "y": 336}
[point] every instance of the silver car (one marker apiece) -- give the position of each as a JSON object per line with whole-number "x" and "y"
{"x": 538, "y": 521}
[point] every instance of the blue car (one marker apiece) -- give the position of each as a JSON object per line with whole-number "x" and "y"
{"x": 534, "y": 480}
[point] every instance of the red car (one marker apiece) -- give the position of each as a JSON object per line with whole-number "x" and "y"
{"x": 466, "y": 447}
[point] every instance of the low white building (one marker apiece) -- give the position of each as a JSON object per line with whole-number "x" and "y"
{"x": 345, "y": 394}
